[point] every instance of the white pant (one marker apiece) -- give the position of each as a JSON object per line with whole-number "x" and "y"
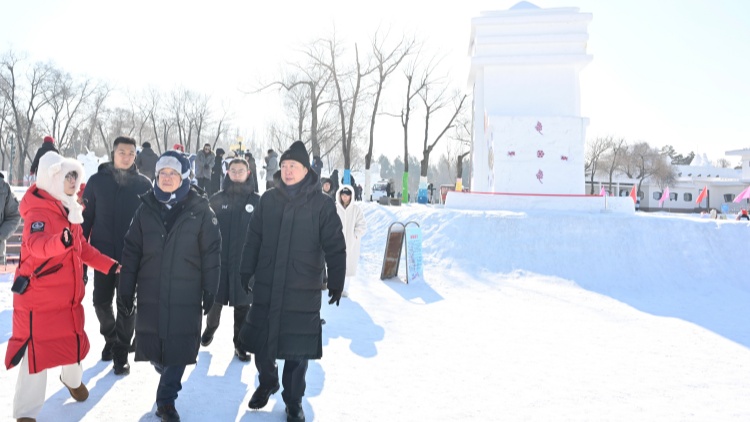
{"x": 32, "y": 388}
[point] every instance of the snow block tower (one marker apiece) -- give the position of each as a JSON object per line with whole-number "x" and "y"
{"x": 528, "y": 134}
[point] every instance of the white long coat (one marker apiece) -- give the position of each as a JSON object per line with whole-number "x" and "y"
{"x": 354, "y": 227}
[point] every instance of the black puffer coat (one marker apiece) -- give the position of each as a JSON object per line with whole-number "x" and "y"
{"x": 110, "y": 203}
{"x": 286, "y": 243}
{"x": 233, "y": 205}
{"x": 170, "y": 271}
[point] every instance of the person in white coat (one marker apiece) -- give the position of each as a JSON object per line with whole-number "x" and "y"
{"x": 354, "y": 227}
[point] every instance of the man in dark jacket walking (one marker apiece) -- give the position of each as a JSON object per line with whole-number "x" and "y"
{"x": 110, "y": 199}
{"x": 47, "y": 146}
{"x": 146, "y": 161}
{"x": 293, "y": 230}
{"x": 171, "y": 262}
{"x": 233, "y": 205}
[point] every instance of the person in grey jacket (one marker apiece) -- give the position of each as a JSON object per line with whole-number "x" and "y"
{"x": 10, "y": 218}
{"x": 272, "y": 166}
{"x": 204, "y": 164}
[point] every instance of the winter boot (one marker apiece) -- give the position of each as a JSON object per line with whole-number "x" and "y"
{"x": 79, "y": 394}
{"x": 242, "y": 355}
{"x": 294, "y": 412}
{"x": 207, "y": 337}
{"x": 168, "y": 413}
{"x": 121, "y": 365}
{"x": 261, "y": 395}
{"x": 25, "y": 420}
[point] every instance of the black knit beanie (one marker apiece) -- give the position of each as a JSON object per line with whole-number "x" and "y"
{"x": 298, "y": 153}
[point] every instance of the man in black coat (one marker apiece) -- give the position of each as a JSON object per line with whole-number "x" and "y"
{"x": 47, "y": 146}
{"x": 293, "y": 230}
{"x": 233, "y": 205}
{"x": 172, "y": 260}
{"x": 110, "y": 199}
{"x": 146, "y": 161}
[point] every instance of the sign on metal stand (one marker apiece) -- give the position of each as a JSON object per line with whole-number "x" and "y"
{"x": 399, "y": 234}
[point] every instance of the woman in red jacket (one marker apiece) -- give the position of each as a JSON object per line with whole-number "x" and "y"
{"x": 48, "y": 317}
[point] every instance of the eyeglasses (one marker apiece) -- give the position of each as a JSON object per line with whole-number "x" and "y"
{"x": 165, "y": 174}
{"x": 71, "y": 176}
{"x": 238, "y": 172}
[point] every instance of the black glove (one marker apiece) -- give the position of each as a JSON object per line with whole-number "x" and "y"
{"x": 67, "y": 238}
{"x": 208, "y": 301}
{"x": 335, "y": 295}
{"x": 129, "y": 305}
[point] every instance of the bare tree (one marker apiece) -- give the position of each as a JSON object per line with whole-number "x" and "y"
{"x": 387, "y": 60}
{"x": 614, "y": 158}
{"x": 69, "y": 99}
{"x": 641, "y": 162}
{"x": 594, "y": 152}
{"x": 434, "y": 98}
{"x": 26, "y": 98}
{"x": 414, "y": 84}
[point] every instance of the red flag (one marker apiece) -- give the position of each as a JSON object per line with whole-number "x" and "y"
{"x": 633, "y": 194}
{"x": 702, "y": 196}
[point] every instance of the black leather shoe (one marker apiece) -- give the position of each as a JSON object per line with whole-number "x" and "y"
{"x": 168, "y": 413}
{"x": 261, "y": 395}
{"x": 242, "y": 355}
{"x": 294, "y": 412}
{"x": 207, "y": 337}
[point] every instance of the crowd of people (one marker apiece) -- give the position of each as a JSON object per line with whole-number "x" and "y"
{"x": 171, "y": 242}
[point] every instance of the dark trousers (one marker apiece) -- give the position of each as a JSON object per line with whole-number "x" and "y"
{"x": 116, "y": 331}
{"x": 170, "y": 383}
{"x": 205, "y": 184}
{"x": 214, "y": 316}
{"x": 293, "y": 377}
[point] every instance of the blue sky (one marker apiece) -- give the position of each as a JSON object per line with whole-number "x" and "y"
{"x": 664, "y": 72}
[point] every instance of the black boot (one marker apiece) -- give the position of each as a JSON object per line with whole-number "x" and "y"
{"x": 207, "y": 337}
{"x": 242, "y": 355}
{"x": 168, "y": 413}
{"x": 261, "y": 395}
{"x": 294, "y": 412}
{"x": 120, "y": 360}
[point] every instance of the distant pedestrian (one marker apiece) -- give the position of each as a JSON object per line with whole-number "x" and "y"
{"x": 10, "y": 218}
{"x": 334, "y": 181}
{"x": 354, "y": 227}
{"x": 317, "y": 164}
{"x": 47, "y": 146}
{"x": 171, "y": 264}
{"x": 146, "y": 161}
{"x": 234, "y": 206}
{"x": 272, "y": 166}
{"x": 204, "y": 163}
{"x": 253, "y": 175}
{"x": 327, "y": 188}
{"x": 217, "y": 172}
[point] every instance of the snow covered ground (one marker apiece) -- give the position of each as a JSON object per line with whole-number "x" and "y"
{"x": 538, "y": 316}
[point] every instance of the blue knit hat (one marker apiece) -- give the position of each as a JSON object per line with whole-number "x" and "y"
{"x": 176, "y": 161}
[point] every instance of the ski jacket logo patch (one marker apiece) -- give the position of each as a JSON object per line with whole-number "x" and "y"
{"x": 37, "y": 226}
{"x": 249, "y": 208}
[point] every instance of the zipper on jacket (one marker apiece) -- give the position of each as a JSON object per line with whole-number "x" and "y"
{"x": 31, "y": 340}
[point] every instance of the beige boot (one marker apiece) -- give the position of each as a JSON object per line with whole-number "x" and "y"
{"x": 79, "y": 394}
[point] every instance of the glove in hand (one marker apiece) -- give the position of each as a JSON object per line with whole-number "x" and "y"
{"x": 335, "y": 295}
{"x": 129, "y": 305}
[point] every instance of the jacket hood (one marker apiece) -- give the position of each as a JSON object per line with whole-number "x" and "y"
{"x": 338, "y": 193}
{"x": 51, "y": 179}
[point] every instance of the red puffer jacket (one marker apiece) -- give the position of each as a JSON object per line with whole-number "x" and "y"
{"x": 48, "y": 317}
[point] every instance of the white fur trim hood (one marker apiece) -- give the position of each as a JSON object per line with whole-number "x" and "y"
{"x": 51, "y": 178}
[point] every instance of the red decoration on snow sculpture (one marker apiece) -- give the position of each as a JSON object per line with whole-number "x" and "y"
{"x": 538, "y": 127}
{"x": 540, "y": 154}
{"x": 511, "y": 153}
{"x": 540, "y": 176}
{"x": 564, "y": 157}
